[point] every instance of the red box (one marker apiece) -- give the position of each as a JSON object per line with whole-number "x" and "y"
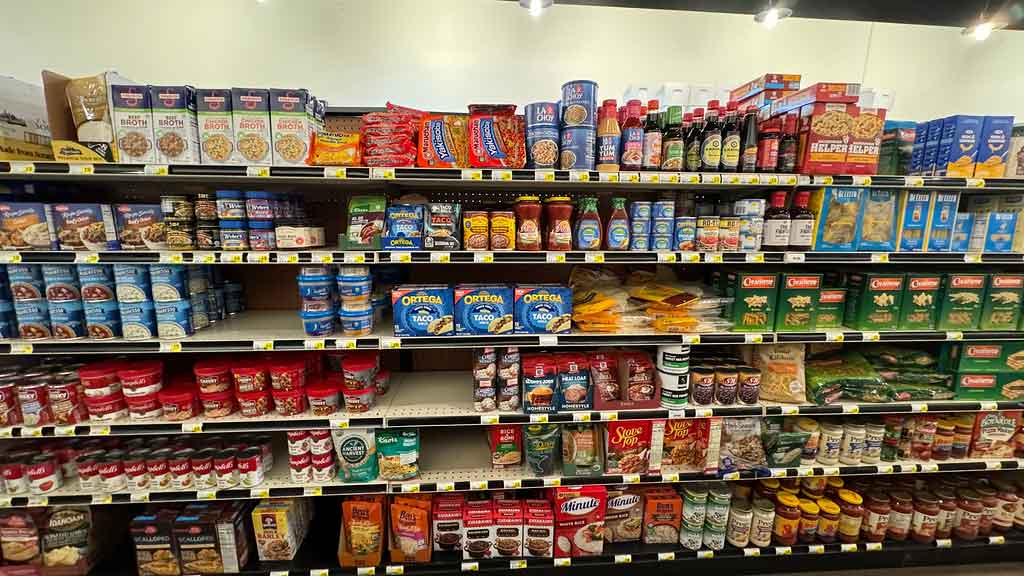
{"x": 821, "y": 92}
{"x": 865, "y": 140}
{"x": 760, "y": 84}
{"x": 579, "y": 520}
{"x": 824, "y": 138}
{"x": 763, "y": 98}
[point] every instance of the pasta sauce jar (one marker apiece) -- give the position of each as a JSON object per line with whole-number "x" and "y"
{"x": 559, "y": 227}
{"x": 828, "y": 520}
{"x": 901, "y": 516}
{"x": 851, "y": 514}
{"x": 876, "y": 517}
{"x": 1008, "y": 507}
{"x": 947, "y": 512}
{"x": 787, "y": 519}
{"x": 926, "y": 515}
{"x": 968, "y": 515}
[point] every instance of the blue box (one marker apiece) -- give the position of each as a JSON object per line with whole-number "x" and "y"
{"x": 917, "y": 153}
{"x": 543, "y": 309}
{"x": 837, "y": 222}
{"x": 931, "y": 147}
{"x": 942, "y": 220}
{"x": 993, "y": 232}
{"x": 878, "y": 230}
{"x": 962, "y": 227}
{"x": 423, "y": 310}
{"x": 403, "y": 225}
{"x": 913, "y": 220}
{"x": 994, "y": 147}
{"x": 85, "y": 227}
{"x": 958, "y": 146}
{"x": 483, "y": 309}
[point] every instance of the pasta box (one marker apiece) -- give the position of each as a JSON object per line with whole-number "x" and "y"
{"x": 917, "y": 152}
{"x": 919, "y": 308}
{"x": 831, "y": 308}
{"x": 873, "y": 300}
{"x": 1015, "y": 162}
{"x": 994, "y": 434}
{"x": 754, "y": 297}
{"x": 913, "y": 213}
{"x": 837, "y": 218}
{"x": 878, "y": 226}
{"x": 579, "y": 520}
{"x": 1003, "y": 296}
{"x": 988, "y": 386}
{"x": 958, "y": 146}
{"x": 994, "y": 147}
{"x": 824, "y": 138}
{"x": 983, "y": 357}
{"x": 543, "y": 309}
{"x": 960, "y": 303}
{"x": 865, "y": 140}
{"x": 798, "y": 294}
{"x": 822, "y": 92}
{"x": 482, "y": 309}
{"x": 942, "y": 220}
{"x": 993, "y": 232}
{"x": 423, "y": 310}
{"x": 1014, "y": 204}
{"x": 627, "y": 446}
{"x": 962, "y": 227}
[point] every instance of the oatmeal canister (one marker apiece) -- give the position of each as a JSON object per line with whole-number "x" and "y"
{"x": 542, "y": 136}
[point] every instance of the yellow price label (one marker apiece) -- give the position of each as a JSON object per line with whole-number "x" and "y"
{"x": 156, "y": 170}
{"x": 502, "y": 175}
{"x": 21, "y": 348}
{"x": 170, "y": 346}
{"x": 544, "y": 175}
{"x": 382, "y": 173}
{"x": 257, "y": 171}
{"x": 264, "y": 345}
{"x": 82, "y": 169}
{"x": 914, "y": 182}
{"x": 336, "y": 172}
{"x": 471, "y": 174}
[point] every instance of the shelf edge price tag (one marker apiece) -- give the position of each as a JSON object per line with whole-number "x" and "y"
{"x": 885, "y": 469}
{"x": 64, "y": 430}
{"x": 755, "y": 179}
{"x": 676, "y": 414}
{"x": 795, "y": 257}
{"x": 81, "y": 169}
{"x": 779, "y": 472}
{"x": 22, "y": 348}
{"x": 257, "y": 171}
{"x": 997, "y": 540}
{"x": 830, "y": 471}
{"x": 691, "y": 257}
{"x": 667, "y": 257}
{"x": 790, "y": 410}
{"x": 650, "y": 178}
{"x": 552, "y": 482}
{"x": 156, "y": 170}
{"x": 441, "y": 257}
{"x": 608, "y": 416}
{"x": 10, "y": 257}
{"x": 204, "y": 257}
{"x": 753, "y": 338}
{"x": 257, "y": 257}
{"x": 288, "y": 257}
{"x": 783, "y": 550}
{"x": 489, "y": 419}
{"x": 834, "y": 336}
{"x": 943, "y": 543}
{"x": 171, "y": 258}
{"x": 918, "y": 406}
{"x": 732, "y": 179}
{"x": 313, "y": 491}
{"x": 993, "y": 465}
{"x": 711, "y": 178}
{"x": 231, "y": 257}
{"x": 751, "y": 552}
{"x": 929, "y": 467}
{"x": 623, "y": 558}
{"x": 138, "y": 497}
{"x": 691, "y": 338}
{"x": 667, "y": 556}
{"x": 355, "y": 258}
{"x": 975, "y": 182}
{"x": 862, "y": 180}
{"x": 366, "y": 570}
{"x": 472, "y": 174}
{"x": 86, "y": 257}
{"x": 563, "y": 562}
{"x": 400, "y": 257}
{"x": 503, "y": 175}
{"x": 631, "y": 177}
{"x": 319, "y": 572}
{"x": 847, "y": 547}
{"x": 594, "y": 257}
{"x": 22, "y": 168}
{"x": 516, "y": 564}
{"x": 608, "y": 177}
{"x": 38, "y": 500}
{"x": 100, "y": 431}
{"x": 32, "y": 431}
{"x": 259, "y": 493}
{"x": 704, "y": 412}
{"x": 879, "y": 257}
{"x": 873, "y": 546}
{"x": 192, "y": 427}
{"x": 206, "y": 494}
{"x": 314, "y": 344}
{"x": 388, "y": 343}
{"x": 808, "y": 471}
{"x": 851, "y": 409}
{"x": 547, "y": 340}
{"x": 555, "y": 257}
{"x": 336, "y": 172}
{"x": 538, "y": 418}
{"x": 581, "y": 417}
{"x": 513, "y": 484}
{"x": 988, "y": 406}
{"x": 670, "y": 477}
{"x": 323, "y": 257}
{"x": 483, "y": 257}
{"x": 278, "y": 573}
{"x": 396, "y": 569}
{"x": 7, "y": 432}
{"x": 972, "y": 258}
{"x": 345, "y": 344}
{"x": 690, "y": 178}
{"x": 338, "y": 423}
{"x": 630, "y": 478}
{"x": 382, "y": 173}
{"x": 954, "y": 335}
{"x": 871, "y": 336}
{"x": 914, "y": 181}
{"x": 410, "y": 488}
{"x": 263, "y": 345}
{"x": 816, "y": 549}
{"x": 446, "y": 487}
{"x": 671, "y": 177}
{"x": 754, "y": 257}
{"x": 731, "y": 476}
{"x": 544, "y": 176}
{"x": 823, "y": 180}
{"x": 478, "y": 485}
{"x": 715, "y": 257}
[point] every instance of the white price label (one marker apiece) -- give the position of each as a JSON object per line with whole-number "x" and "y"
{"x": 472, "y": 174}
{"x": 338, "y": 423}
{"x": 192, "y": 427}
{"x": 873, "y": 546}
{"x": 630, "y": 478}
{"x": 478, "y": 485}
{"x": 847, "y": 547}
{"x": 631, "y": 177}
{"x": 21, "y": 348}
{"x": 668, "y": 257}
{"x": 446, "y": 487}
{"x": 989, "y": 406}
{"x": 752, "y": 552}
{"x": 783, "y": 550}
{"x": 914, "y": 181}
{"x": 400, "y": 257}
{"x": 483, "y": 257}
{"x": 171, "y": 258}
{"x": 382, "y": 173}
{"x": 862, "y": 180}
{"x": 278, "y": 573}
{"x": 879, "y": 257}
{"x": 33, "y": 432}
{"x": 263, "y": 345}
{"x": 516, "y": 564}
{"x": 608, "y": 416}
{"x": 689, "y": 178}
{"x": 997, "y": 540}
{"x": 943, "y": 543}
{"x": 345, "y": 344}
{"x": 259, "y": 493}
{"x": 206, "y": 494}
{"x": 788, "y": 179}
{"x": 755, "y": 179}
{"x": 502, "y": 175}
{"x": 954, "y": 335}
{"x": 314, "y": 343}
{"x": 778, "y": 472}
{"x": 231, "y": 257}
{"x": 581, "y": 417}
{"x": 10, "y": 258}
{"x": 539, "y": 418}
{"x": 753, "y": 338}
{"x": 795, "y": 257}
{"x": 38, "y": 500}
{"x": 257, "y": 171}
{"x": 671, "y": 177}
{"x": 830, "y": 471}
{"x": 823, "y": 180}
{"x": 555, "y": 257}
{"x": 563, "y": 562}
{"x": 366, "y": 570}
{"x": 138, "y": 497}
{"x": 100, "y": 431}
{"x": 790, "y": 410}
{"x": 322, "y": 257}
{"x": 975, "y": 182}
{"x": 86, "y": 257}
{"x": 336, "y": 172}
{"x": 834, "y": 336}
{"x": 547, "y": 340}
{"x": 704, "y": 412}
{"x": 579, "y": 176}
{"x": 22, "y": 168}
{"x": 513, "y": 484}
{"x": 489, "y": 419}
{"x": 64, "y": 430}
{"x": 929, "y": 467}
{"x": 705, "y": 554}
{"x": 7, "y": 432}
{"x": 650, "y": 178}
{"x": 885, "y": 469}
{"x": 768, "y": 179}
{"x": 691, "y": 338}
{"x": 667, "y": 556}
{"x": 156, "y": 170}
{"x": 676, "y": 414}
{"x": 544, "y": 176}
{"x": 410, "y": 488}
{"x": 731, "y": 178}
{"x": 816, "y": 549}
{"x": 396, "y": 569}
{"x": 204, "y": 257}
{"x": 550, "y": 482}
{"x": 670, "y": 477}
{"x": 993, "y": 465}
{"x": 288, "y": 257}
{"x": 81, "y": 169}
{"x": 594, "y": 257}
{"x": 355, "y": 258}
{"x": 623, "y": 558}
{"x": 711, "y": 178}
{"x": 918, "y": 406}
{"x": 388, "y": 343}
{"x": 608, "y": 177}
{"x": 972, "y": 258}
{"x": 754, "y": 257}
{"x": 257, "y": 257}
{"x": 871, "y": 336}
{"x": 319, "y": 572}
{"x": 441, "y": 257}
{"x": 690, "y": 257}
{"x": 714, "y": 258}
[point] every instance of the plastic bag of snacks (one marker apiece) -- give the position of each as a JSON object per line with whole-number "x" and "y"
{"x": 844, "y": 375}
{"x": 497, "y": 137}
{"x": 444, "y": 141}
{"x": 389, "y": 138}
{"x": 330, "y": 149}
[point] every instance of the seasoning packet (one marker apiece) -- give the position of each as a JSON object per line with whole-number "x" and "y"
{"x": 330, "y": 149}
{"x": 542, "y": 442}
{"x": 398, "y": 454}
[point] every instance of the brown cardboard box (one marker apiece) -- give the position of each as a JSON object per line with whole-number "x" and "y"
{"x": 824, "y": 138}
{"x": 865, "y": 140}
{"x": 65, "y": 139}
{"x": 155, "y": 550}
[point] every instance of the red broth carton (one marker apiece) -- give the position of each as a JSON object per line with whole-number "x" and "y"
{"x": 579, "y": 520}
{"x": 478, "y": 530}
{"x": 447, "y": 520}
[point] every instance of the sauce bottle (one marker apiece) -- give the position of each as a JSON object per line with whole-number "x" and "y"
{"x": 652, "y": 138}
{"x": 693, "y": 140}
{"x": 632, "y": 138}
{"x": 673, "y": 145}
{"x": 801, "y": 228}
{"x": 776, "y": 224}
{"x": 731, "y": 140}
{"x": 617, "y": 231}
{"x": 788, "y": 146}
{"x": 608, "y": 136}
{"x": 748, "y": 146}
{"x": 711, "y": 140}
{"x": 768, "y": 146}
{"x": 588, "y": 225}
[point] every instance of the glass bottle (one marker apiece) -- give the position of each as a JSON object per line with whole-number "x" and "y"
{"x": 801, "y": 229}
{"x": 632, "y": 138}
{"x": 652, "y": 138}
{"x": 768, "y": 146}
{"x": 673, "y": 146}
{"x": 748, "y": 146}
{"x": 693, "y": 140}
{"x": 731, "y": 136}
{"x": 711, "y": 140}
{"x": 776, "y": 224}
{"x": 788, "y": 146}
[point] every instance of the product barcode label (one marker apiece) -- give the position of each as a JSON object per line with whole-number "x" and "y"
{"x": 751, "y": 552}
{"x": 873, "y": 546}
{"x": 171, "y": 257}
{"x": 631, "y": 177}
{"x": 783, "y": 550}
{"x": 847, "y": 547}
{"x": 156, "y": 170}
{"x": 231, "y": 257}
{"x": 400, "y": 257}
{"x": 314, "y": 344}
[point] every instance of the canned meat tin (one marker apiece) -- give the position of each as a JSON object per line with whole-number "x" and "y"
{"x": 133, "y": 283}
{"x": 138, "y": 320}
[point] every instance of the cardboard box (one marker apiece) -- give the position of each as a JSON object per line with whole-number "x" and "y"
{"x": 836, "y": 218}
{"x": 994, "y": 434}
{"x": 942, "y": 220}
{"x": 831, "y": 308}
{"x": 623, "y": 516}
{"x": 874, "y": 300}
{"x": 993, "y": 232}
{"x": 175, "y": 125}
{"x": 66, "y": 144}
{"x": 865, "y": 140}
{"x": 913, "y": 211}
{"x": 931, "y": 147}
{"x": 842, "y": 93}
{"x": 24, "y": 130}
{"x": 250, "y": 114}
{"x": 878, "y": 220}
{"x": 762, "y": 99}
{"x": 508, "y": 528}
{"x": 754, "y": 296}
{"x": 960, "y": 304}
{"x": 1015, "y": 160}
{"x": 663, "y": 514}
{"x": 897, "y": 147}
{"x": 156, "y": 550}
{"x": 988, "y": 386}
{"x": 447, "y": 523}
{"x": 279, "y": 526}
{"x": 216, "y": 127}
{"x": 1014, "y": 204}
{"x": 917, "y": 152}
{"x": 999, "y": 357}
{"x": 824, "y": 138}
{"x": 133, "y": 123}
{"x": 1001, "y": 309}
{"x": 579, "y": 520}
{"x": 766, "y": 82}
{"x": 798, "y": 294}
{"x": 920, "y": 306}
{"x": 539, "y": 531}
{"x": 994, "y": 147}
{"x": 478, "y": 523}
{"x": 958, "y": 146}
{"x": 292, "y": 125}
{"x": 962, "y": 228}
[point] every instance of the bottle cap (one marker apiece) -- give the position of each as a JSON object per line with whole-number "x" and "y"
{"x": 713, "y": 105}
{"x": 653, "y": 105}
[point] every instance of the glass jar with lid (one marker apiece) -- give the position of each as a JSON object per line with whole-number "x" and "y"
{"x": 1009, "y": 502}
{"x": 876, "y": 516}
{"x": 852, "y": 447}
{"x": 851, "y": 514}
{"x": 946, "y": 519}
{"x": 926, "y": 516}
{"x": 763, "y": 523}
{"x": 901, "y": 515}
{"x": 874, "y": 435}
{"x": 942, "y": 447}
{"x": 741, "y": 515}
{"x": 968, "y": 516}
{"x": 989, "y": 502}
{"x": 830, "y": 443}
{"x": 828, "y": 520}
{"x": 809, "y": 514}
{"x": 787, "y": 519}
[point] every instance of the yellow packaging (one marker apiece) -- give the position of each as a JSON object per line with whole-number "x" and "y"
{"x": 475, "y": 228}
{"x": 503, "y": 230}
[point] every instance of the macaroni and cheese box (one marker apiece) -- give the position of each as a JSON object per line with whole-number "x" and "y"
{"x": 873, "y": 301}
{"x": 941, "y": 221}
{"x": 958, "y": 146}
{"x": 917, "y": 152}
{"x": 837, "y": 219}
{"x": 994, "y": 147}
{"x": 1003, "y": 296}
{"x": 913, "y": 220}
{"x": 483, "y": 309}
{"x": 960, "y": 302}
{"x": 216, "y": 130}
{"x": 1015, "y": 161}
{"x": 543, "y": 309}
{"x": 423, "y": 310}
{"x": 962, "y": 227}
{"x": 931, "y": 147}
{"x": 993, "y": 232}
{"x": 878, "y": 231}
{"x": 919, "y": 308}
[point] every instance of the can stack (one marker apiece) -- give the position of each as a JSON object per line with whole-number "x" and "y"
{"x": 578, "y": 148}
{"x": 673, "y": 364}
{"x": 542, "y": 135}
{"x": 102, "y": 314}
{"x": 355, "y": 287}
{"x": 135, "y": 301}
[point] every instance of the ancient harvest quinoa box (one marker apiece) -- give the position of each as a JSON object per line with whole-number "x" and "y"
{"x": 920, "y": 301}
{"x": 831, "y": 308}
{"x": 873, "y": 301}
{"x": 753, "y": 309}
{"x": 798, "y": 294}
{"x": 1001, "y": 307}
{"x": 960, "y": 304}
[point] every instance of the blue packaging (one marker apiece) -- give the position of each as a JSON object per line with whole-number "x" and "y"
{"x": 837, "y": 219}
{"x": 85, "y": 227}
{"x": 174, "y": 319}
{"x": 917, "y": 152}
{"x": 543, "y": 309}
{"x": 542, "y": 114}
{"x": 483, "y": 309}
{"x": 663, "y": 226}
{"x": 958, "y": 146}
{"x": 356, "y": 322}
{"x": 661, "y": 242}
{"x": 423, "y": 310}
{"x": 993, "y": 232}
{"x": 579, "y": 104}
{"x": 200, "y": 311}
{"x": 27, "y": 226}
{"x": 931, "y": 147}
{"x": 962, "y": 227}
{"x": 33, "y": 319}
{"x": 318, "y": 323}
{"x": 169, "y": 282}
{"x": 685, "y": 235}
{"x": 133, "y": 284}
{"x": 577, "y": 150}
{"x": 993, "y": 147}
{"x": 315, "y": 287}
{"x": 664, "y": 209}
{"x": 403, "y": 227}
{"x": 59, "y": 273}
{"x": 941, "y": 220}
{"x": 639, "y": 210}
{"x": 8, "y": 321}
{"x": 96, "y": 273}
{"x": 913, "y": 220}
{"x": 349, "y": 286}
{"x": 67, "y": 320}
{"x": 19, "y": 272}
{"x": 542, "y": 135}
{"x": 878, "y": 215}
{"x": 642, "y": 242}
{"x": 138, "y": 320}
{"x": 26, "y": 288}
{"x": 639, "y": 227}
{"x": 140, "y": 226}
{"x": 214, "y": 309}
{"x": 103, "y": 320}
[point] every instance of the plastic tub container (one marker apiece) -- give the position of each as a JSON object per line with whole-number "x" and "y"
{"x": 358, "y": 323}
{"x": 317, "y": 305}
{"x": 230, "y": 205}
{"x": 109, "y": 407}
{"x": 357, "y": 303}
{"x": 288, "y": 374}
{"x": 141, "y": 378}
{"x": 255, "y": 403}
{"x": 323, "y": 398}
{"x": 290, "y": 402}
{"x": 360, "y": 286}
{"x": 217, "y": 404}
{"x": 234, "y": 235}
{"x": 359, "y": 400}
{"x": 144, "y": 407}
{"x": 359, "y": 370}
{"x": 250, "y": 377}
{"x": 212, "y": 375}
{"x": 178, "y": 403}
{"x": 261, "y": 235}
{"x": 318, "y": 323}
{"x": 100, "y": 374}
{"x": 315, "y": 287}
{"x": 259, "y": 205}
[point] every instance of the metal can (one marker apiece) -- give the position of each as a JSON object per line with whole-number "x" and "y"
{"x": 323, "y": 467}
{"x": 298, "y": 442}
{"x": 250, "y": 467}
{"x": 110, "y": 468}
{"x": 43, "y": 473}
{"x": 13, "y": 471}
{"x": 181, "y": 235}
{"x": 225, "y": 468}
{"x": 66, "y": 404}
{"x": 180, "y": 467}
{"x": 177, "y": 207}
{"x": 87, "y": 465}
{"x": 320, "y": 442}
{"x": 266, "y": 444}
{"x": 542, "y": 136}
{"x": 202, "y": 468}
{"x": 579, "y": 103}
{"x": 9, "y": 412}
{"x": 301, "y": 468}
{"x": 685, "y": 233}
{"x": 577, "y": 148}
{"x": 157, "y": 466}
{"x": 135, "y": 469}
{"x": 34, "y": 402}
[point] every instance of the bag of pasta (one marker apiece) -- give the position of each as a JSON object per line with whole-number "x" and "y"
{"x": 782, "y": 371}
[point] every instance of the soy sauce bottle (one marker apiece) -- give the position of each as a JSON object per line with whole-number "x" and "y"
{"x": 730, "y": 140}
{"x": 788, "y": 146}
{"x": 711, "y": 140}
{"x": 673, "y": 145}
{"x": 652, "y": 138}
{"x": 693, "y": 141}
{"x": 748, "y": 144}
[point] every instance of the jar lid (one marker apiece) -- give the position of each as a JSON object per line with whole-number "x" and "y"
{"x": 850, "y": 497}
{"x": 259, "y": 195}
{"x": 528, "y": 199}
{"x": 788, "y": 500}
{"x": 229, "y": 194}
{"x": 355, "y": 313}
{"x": 807, "y": 424}
{"x": 925, "y": 497}
{"x": 828, "y": 506}
{"x": 809, "y": 507}
{"x": 770, "y": 483}
{"x": 835, "y": 482}
{"x": 559, "y": 199}
{"x": 261, "y": 224}
{"x": 878, "y": 496}
{"x": 236, "y": 224}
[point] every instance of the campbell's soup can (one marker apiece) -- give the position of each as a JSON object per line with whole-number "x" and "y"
{"x": 266, "y": 444}
{"x": 298, "y": 442}
{"x": 135, "y": 469}
{"x": 250, "y": 467}
{"x": 158, "y": 468}
{"x": 579, "y": 103}
{"x": 542, "y": 134}
{"x": 225, "y": 468}
{"x": 301, "y": 468}
{"x": 323, "y": 467}
{"x": 87, "y": 465}
{"x": 577, "y": 150}
{"x": 13, "y": 471}
{"x": 180, "y": 467}
{"x": 202, "y": 468}
{"x": 111, "y": 471}
{"x": 320, "y": 442}
{"x": 43, "y": 473}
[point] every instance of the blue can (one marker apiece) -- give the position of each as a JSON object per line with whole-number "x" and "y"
{"x": 67, "y": 320}
{"x": 577, "y": 149}
{"x": 664, "y": 209}
{"x": 639, "y": 209}
{"x": 8, "y": 321}
{"x": 96, "y": 273}
{"x": 133, "y": 284}
{"x": 640, "y": 227}
{"x": 61, "y": 282}
{"x": 200, "y": 311}
{"x": 661, "y": 241}
{"x": 579, "y": 103}
{"x": 169, "y": 282}
{"x": 639, "y": 243}
{"x": 103, "y": 320}
{"x": 17, "y": 272}
{"x": 198, "y": 279}
{"x": 174, "y": 319}
{"x": 663, "y": 226}
{"x": 685, "y": 235}
{"x": 542, "y": 136}
{"x": 33, "y": 319}
{"x": 138, "y": 320}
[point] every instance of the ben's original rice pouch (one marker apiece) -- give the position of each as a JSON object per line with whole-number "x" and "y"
{"x": 543, "y": 309}
{"x": 423, "y": 310}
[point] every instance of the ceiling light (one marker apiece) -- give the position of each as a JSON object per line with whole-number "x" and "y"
{"x": 980, "y": 31}
{"x": 536, "y": 7}
{"x": 770, "y": 17}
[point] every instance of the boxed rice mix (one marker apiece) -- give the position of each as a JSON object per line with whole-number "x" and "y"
{"x": 920, "y": 301}
{"x": 1001, "y": 308}
{"x": 798, "y": 294}
{"x": 831, "y": 308}
{"x": 663, "y": 513}
{"x": 755, "y": 294}
{"x": 961, "y": 301}
{"x": 623, "y": 516}
{"x": 579, "y": 520}
{"x": 874, "y": 300}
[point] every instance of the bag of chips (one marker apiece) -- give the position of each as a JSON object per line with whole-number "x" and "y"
{"x": 330, "y": 149}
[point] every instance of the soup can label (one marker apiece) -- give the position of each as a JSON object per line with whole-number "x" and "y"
{"x": 577, "y": 150}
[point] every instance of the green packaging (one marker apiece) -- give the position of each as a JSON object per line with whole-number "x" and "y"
{"x": 1001, "y": 308}
{"x": 988, "y": 386}
{"x": 796, "y": 308}
{"x": 873, "y": 301}
{"x": 960, "y": 304}
{"x": 920, "y": 301}
{"x": 982, "y": 357}
{"x": 754, "y": 294}
{"x": 831, "y": 308}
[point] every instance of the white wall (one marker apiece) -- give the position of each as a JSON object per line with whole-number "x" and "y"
{"x": 443, "y": 54}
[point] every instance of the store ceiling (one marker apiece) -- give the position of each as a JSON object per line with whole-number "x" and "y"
{"x": 957, "y": 13}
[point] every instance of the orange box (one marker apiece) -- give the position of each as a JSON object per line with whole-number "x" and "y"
{"x": 663, "y": 514}
{"x": 865, "y": 140}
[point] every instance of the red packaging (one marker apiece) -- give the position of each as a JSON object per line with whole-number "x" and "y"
{"x": 300, "y": 466}
{"x": 43, "y": 474}
{"x": 158, "y": 468}
{"x": 538, "y": 530}
{"x": 110, "y": 469}
{"x": 298, "y": 441}
{"x": 391, "y": 160}
{"x": 135, "y": 469}
{"x": 100, "y": 374}
{"x": 579, "y": 520}
{"x": 508, "y": 528}
{"x": 257, "y": 403}
{"x": 144, "y": 407}
{"x": 320, "y": 442}
{"x": 820, "y": 92}
{"x": 288, "y": 375}
{"x": 141, "y": 378}
{"x": 404, "y": 147}
{"x": 627, "y": 446}
{"x": 289, "y": 402}
{"x": 574, "y": 384}
{"x": 478, "y": 530}
{"x": 202, "y": 468}
{"x": 178, "y": 403}
{"x": 13, "y": 471}
{"x": 66, "y": 405}
{"x": 604, "y": 377}
{"x": 323, "y": 397}
{"x": 217, "y": 404}
{"x": 10, "y": 414}
{"x": 250, "y": 377}
{"x": 496, "y": 137}
{"x": 250, "y": 467}
{"x": 34, "y": 403}
{"x": 506, "y": 444}
{"x": 633, "y": 374}
{"x": 212, "y": 375}
{"x": 180, "y": 467}
{"x": 865, "y": 140}
{"x": 824, "y": 138}
{"x": 87, "y": 467}
{"x": 110, "y": 407}
{"x": 379, "y": 140}
{"x": 323, "y": 466}
{"x": 225, "y": 468}
{"x": 540, "y": 382}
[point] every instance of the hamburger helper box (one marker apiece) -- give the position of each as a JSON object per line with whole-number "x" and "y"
{"x": 579, "y": 520}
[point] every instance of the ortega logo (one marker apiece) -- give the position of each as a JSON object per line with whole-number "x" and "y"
{"x": 488, "y": 140}
{"x": 438, "y": 142}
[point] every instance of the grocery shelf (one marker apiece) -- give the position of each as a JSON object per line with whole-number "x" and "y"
{"x": 474, "y": 176}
